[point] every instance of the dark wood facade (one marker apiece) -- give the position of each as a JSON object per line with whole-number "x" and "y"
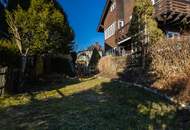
{"x": 170, "y": 15}
{"x": 120, "y": 16}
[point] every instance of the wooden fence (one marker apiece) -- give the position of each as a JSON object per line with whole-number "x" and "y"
{"x": 3, "y": 72}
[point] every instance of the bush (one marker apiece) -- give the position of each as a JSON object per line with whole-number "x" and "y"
{"x": 171, "y": 58}
{"x": 9, "y": 55}
{"x": 58, "y": 65}
{"x": 171, "y": 63}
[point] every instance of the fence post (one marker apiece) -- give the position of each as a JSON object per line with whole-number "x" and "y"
{"x": 3, "y": 72}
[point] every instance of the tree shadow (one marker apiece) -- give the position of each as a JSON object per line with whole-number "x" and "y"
{"x": 148, "y": 108}
{"x": 110, "y": 105}
{"x": 41, "y": 86}
{"x": 177, "y": 87}
{"x": 135, "y": 73}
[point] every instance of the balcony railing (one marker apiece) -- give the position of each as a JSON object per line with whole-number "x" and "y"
{"x": 121, "y": 34}
{"x": 170, "y": 11}
{"x": 178, "y": 6}
{"x": 119, "y": 51}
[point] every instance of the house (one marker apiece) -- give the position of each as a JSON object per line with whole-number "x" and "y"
{"x": 87, "y": 60}
{"x": 117, "y": 14}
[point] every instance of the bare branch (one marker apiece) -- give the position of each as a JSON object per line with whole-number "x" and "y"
{"x": 14, "y": 31}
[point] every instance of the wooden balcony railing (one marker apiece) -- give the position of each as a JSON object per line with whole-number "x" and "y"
{"x": 121, "y": 34}
{"x": 169, "y": 11}
{"x": 119, "y": 51}
{"x": 178, "y": 6}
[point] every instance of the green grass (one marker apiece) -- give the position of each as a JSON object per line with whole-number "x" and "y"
{"x": 90, "y": 104}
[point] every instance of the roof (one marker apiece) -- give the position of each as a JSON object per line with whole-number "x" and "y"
{"x": 105, "y": 11}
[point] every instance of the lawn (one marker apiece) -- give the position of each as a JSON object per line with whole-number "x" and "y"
{"x": 90, "y": 104}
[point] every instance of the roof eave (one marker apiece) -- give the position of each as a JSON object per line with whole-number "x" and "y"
{"x": 100, "y": 28}
{"x": 100, "y": 25}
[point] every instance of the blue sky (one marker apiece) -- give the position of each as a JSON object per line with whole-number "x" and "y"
{"x": 3, "y": 1}
{"x": 84, "y": 16}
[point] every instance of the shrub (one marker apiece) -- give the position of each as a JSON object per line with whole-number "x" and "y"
{"x": 171, "y": 57}
{"x": 171, "y": 63}
{"x": 9, "y": 55}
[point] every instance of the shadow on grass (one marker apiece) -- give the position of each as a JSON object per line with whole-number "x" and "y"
{"x": 153, "y": 115}
{"x": 179, "y": 88}
{"x": 111, "y": 105}
{"x": 39, "y": 86}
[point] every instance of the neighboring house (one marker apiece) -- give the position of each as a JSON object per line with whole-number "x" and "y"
{"x": 87, "y": 60}
{"x": 117, "y": 14}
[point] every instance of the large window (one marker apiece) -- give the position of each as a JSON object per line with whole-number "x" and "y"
{"x": 110, "y": 31}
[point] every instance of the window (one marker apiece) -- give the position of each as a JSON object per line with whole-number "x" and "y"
{"x": 110, "y": 31}
{"x": 120, "y": 24}
{"x": 172, "y": 34}
{"x": 113, "y": 6}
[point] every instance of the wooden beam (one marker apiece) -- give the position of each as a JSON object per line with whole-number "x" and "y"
{"x": 188, "y": 21}
{"x": 176, "y": 18}
{"x": 164, "y": 17}
{"x": 159, "y": 18}
{"x": 171, "y": 15}
{"x": 185, "y": 18}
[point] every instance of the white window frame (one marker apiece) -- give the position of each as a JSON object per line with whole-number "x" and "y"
{"x": 171, "y": 34}
{"x": 113, "y": 6}
{"x": 110, "y": 31}
{"x": 121, "y": 23}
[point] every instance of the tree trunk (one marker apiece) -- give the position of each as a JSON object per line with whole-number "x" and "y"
{"x": 24, "y": 60}
{"x": 23, "y": 68}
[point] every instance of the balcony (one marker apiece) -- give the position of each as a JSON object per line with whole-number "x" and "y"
{"x": 172, "y": 11}
{"x": 121, "y": 34}
{"x": 166, "y": 12}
